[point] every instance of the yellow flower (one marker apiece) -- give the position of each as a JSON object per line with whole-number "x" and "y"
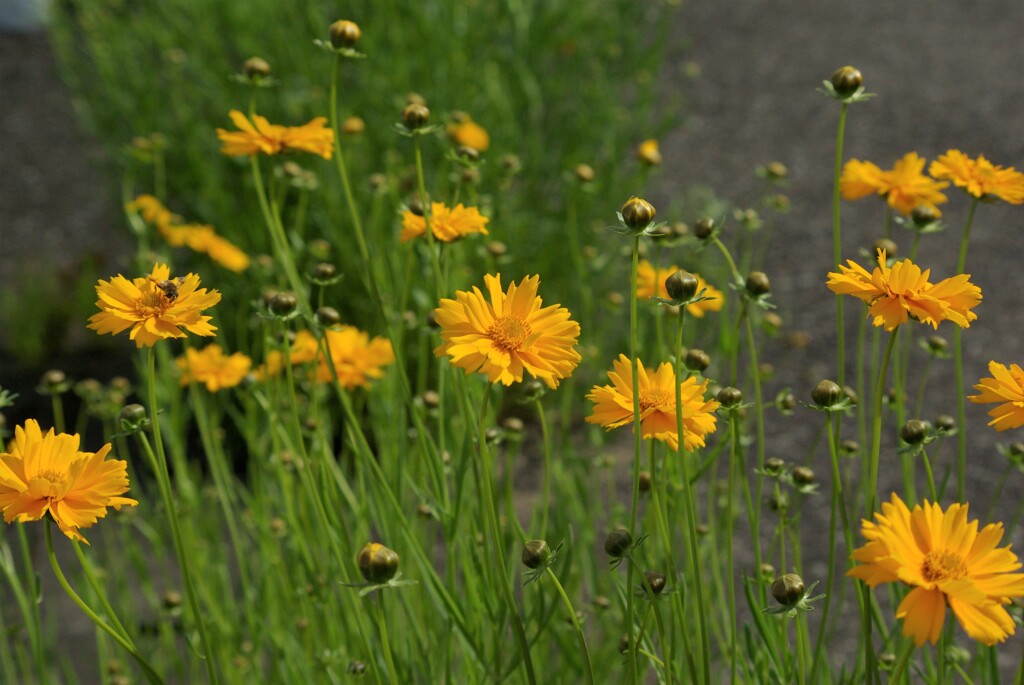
{"x": 260, "y": 136}
{"x": 613, "y": 404}
{"x": 357, "y": 359}
{"x": 154, "y": 307}
{"x": 198, "y": 237}
{"x": 42, "y": 474}
{"x": 979, "y": 177}
{"x": 509, "y": 334}
{"x": 448, "y": 223}
{"x": 648, "y": 152}
{"x": 904, "y": 187}
{"x": 897, "y": 293}
{"x": 1006, "y": 387}
{"x": 948, "y": 562}
{"x": 153, "y": 211}
{"x": 212, "y": 367}
{"x": 650, "y": 282}
{"x": 469, "y": 133}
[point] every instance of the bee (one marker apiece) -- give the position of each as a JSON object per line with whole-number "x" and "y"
{"x": 169, "y": 287}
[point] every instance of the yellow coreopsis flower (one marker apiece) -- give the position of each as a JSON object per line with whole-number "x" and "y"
{"x": 904, "y": 187}
{"x": 448, "y": 224}
{"x": 948, "y": 562}
{"x": 213, "y": 368}
{"x": 980, "y": 177}
{"x": 357, "y": 359}
{"x": 198, "y": 237}
{"x": 153, "y": 307}
{"x": 469, "y": 133}
{"x": 44, "y": 474}
{"x": 650, "y": 282}
{"x": 260, "y": 136}
{"x": 613, "y": 404}
{"x": 1006, "y": 387}
{"x": 509, "y": 334}
{"x": 896, "y": 293}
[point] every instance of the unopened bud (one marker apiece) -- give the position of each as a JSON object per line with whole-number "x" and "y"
{"x": 345, "y": 34}
{"x": 886, "y": 244}
{"x": 846, "y": 80}
{"x": 283, "y": 304}
{"x": 654, "y": 581}
{"x": 584, "y": 173}
{"x": 758, "y": 284}
{"x": 617, "y": 542}
{"x": 923, "y": 215}
{"x": 729, "y": 397}
{"x": 704, "y": 227}
{"x": 788, "y": 589}
{"x": 826, "y": 393}
{"x": 415, "y": 116}
{"x": 256, "y": 67}
{"x": 637, "y": 213}
{"x": 697, "y": 360}
{"x": 536, "y": 553}
{"x": 914, "y": 431}
{"x": 328, "y": 316}
{"x": 803, "y": 476}
{"x": 681, "y": 286}
{"x": 377, "y": 563}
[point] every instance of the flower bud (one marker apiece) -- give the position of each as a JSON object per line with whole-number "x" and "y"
{"x": 654, "y": 581}
{"x": 431, "y": 400}
{"x": 697, "y": 360}
{"x": 256, "y": 67}
{"x": 637, "y": 213}
{"x": 513, "y": 424}
{"x": 584, "y": 173}
{"x": 826, "y": 393}
{"x": 470, "y": 154}
{"x": 849, "y": 446}
{"x": 923, "y": 215}
{"x": 324, "y": 271}
{"x": 704, "y": 227}
{"x": 914, "y": 431}
{"x": 788, "y": 589}
{"x": 786, "y": 401}
{"x": 886, "y": 244}
{"x": 377, "y": 563}
{"x": 937, "y": 344}
{"x": 353, "y": 126}
{"x": 415, "y": 116}
{"x": 496, "y": 248}
{"x": 945, "y": 422}
{"x": 803, "y": 476}
{"x": 414, "y": 99}
{"x": 536, "y": 553}
{"x": 328, "y": 316}
{"x": 345, "y": 34}
{"x": 767, "y": 571}
{"x": 53, "y": 382}
{"x": 758, "y": 284}
{"x": 511, "y": 164}
{"x": 282, "y": 304}
{"x": 132, "y": 416}
{"x": 776, "y": 171}
{"x": 1016, "y": 449}
{"x": 846, "y": 80}
{"x": 172, "y": 599}
{"x": 851, "y": 394}
{"x": 623, "y": 645}
{"x": 644, "y": 481}
{"x": 773, "y": 466}
{"x": 648, "y": 152}
{"x": 682, "y": 286}
{"x": 617, "y": 542}
{"x": 729, "y": 397}
{"x": 356, "y": 667}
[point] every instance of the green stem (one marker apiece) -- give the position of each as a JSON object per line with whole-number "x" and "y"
{"x": 124, "y": 641}
{"x": 588, "y": 669}
{"x": 278, "y": 237}
{"x": 958, "y": 357}
{"x": 158, "y": 462}
{"x": 339, "y": 161}
{"x": 499, "y": 553}
{"x": 634, "y": 352}
{"x": 58, "y": 412}
{"x": 901, "y": 664}
{"x": 837, "y": 247}
{"x": 547, "y": 468}
{"x": 876, "y": 426}
{"x": 90, "y": 577}
{"x": 429, "y": 228}
{"x": 931, "y": 476}
{"x": 695, "y": 566}
{"x": 385, "y": 643}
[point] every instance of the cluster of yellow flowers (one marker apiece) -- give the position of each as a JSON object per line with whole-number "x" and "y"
{"x": 198, "y": 237}
{"x": 355, "y": 358}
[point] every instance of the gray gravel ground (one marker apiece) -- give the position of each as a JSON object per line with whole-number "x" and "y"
{"x": 946, "y": 74}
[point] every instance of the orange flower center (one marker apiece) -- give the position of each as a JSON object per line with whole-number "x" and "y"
{"x": 656, "y": 398}
{"x": 939, "y": 566}
{"x": 56, "y": 479}
{"x": 509, "y": 333}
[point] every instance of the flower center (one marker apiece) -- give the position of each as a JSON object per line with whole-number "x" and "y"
{"x": 56, "y": 479}
{"x": 943, "y": 566}
{"x": 509, "y": 333}
{"x": 656, "y": 398}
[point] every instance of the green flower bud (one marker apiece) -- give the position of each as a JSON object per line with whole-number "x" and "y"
{"x": 256, "y": 67}
{"x": 415, "y": 116}
{"x": 328, "y": 316}
{"x": 758, "y": 284}
{"x": 788, "y": 589}
{"x": 132, "y": 416}
{"x": 644, "y": 481}
{"x": 468, "y": 153}
{"x": 924, "y": 215}
{"x": 889, "y": 246}
{"x": 914, "y": 431}
{"x": 283, "y": 304}
{"x": 584, "y": 173}
{"x": 54, "y": 382}
{"x": 324, "y": 271}
{"x": 937, "y": 344}
{"x": 803, "y": 476}
{"x": 637, "y": 213}
{"x": 776, "y": 171}
{"x": 826, "y": 393}
{"x": 704, "y": 227}
{"x": 681, "y": 286}
{"x": 945, "y": 422}
{"x": 345, "y": 34}
{"x": 617, "y": 542}
{"x": 536, "y": 553}
{"x": 729, "y": 397}
{"x": 654, "y": 581}
{"x": 846, "y": 80}
{"x": 377, "y": 563}
{"x": 697, "y": 360}
{"x": 773, "y": 466}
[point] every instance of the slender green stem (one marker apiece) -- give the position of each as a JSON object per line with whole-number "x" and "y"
{"x": 734, "y": 459}
{"x": 542, "y": 417}
{"x": 499, "y": 551}
{"x": 801, "y": 652}
{"x": 123, "y": 640}
{"x": 691, "y": 515}
{"x": 588, "y": 669}
{"x": 385, "y": 643}
{"x": 163, "y": 478}
{"x": 876, "y": 426}
{"x": 58, "y": 412}
{"x": 90, "y": 577}
{"x": 28, "y": 601}
{"x": 339, "y": 162}
{"x": 901, "y": 664}
{"x": 837, "y": 247}
{"x": 958, "y": 359}
{"x": 634, "y": 352}
{"x": 432, "y": 246}
{"x": 278, "y": 237}
{"x": 931, "y": 476}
